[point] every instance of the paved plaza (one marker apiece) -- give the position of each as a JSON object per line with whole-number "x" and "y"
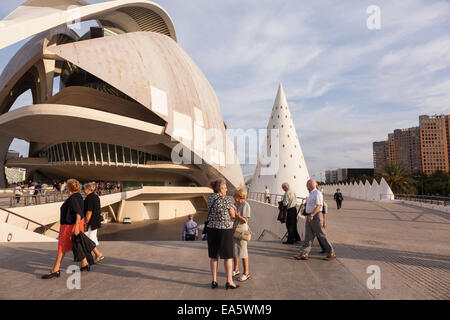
{"x": 411, "y": 246}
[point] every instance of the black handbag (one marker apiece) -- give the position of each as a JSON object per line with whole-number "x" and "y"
{"x": 302, "y": 210}
{"x": 282, "y": 215}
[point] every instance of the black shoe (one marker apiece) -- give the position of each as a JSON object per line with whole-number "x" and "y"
{"x": 86, "y": 268}
{"x": 229, "y": 286}
{"x": 51, "y": 275}
{"x": 287, "y": 242}
{"x": 214, "y": 285}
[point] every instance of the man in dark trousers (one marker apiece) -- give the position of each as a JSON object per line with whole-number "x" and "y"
{"x": 290, "y": 201}
{"x": 339, "y": 198}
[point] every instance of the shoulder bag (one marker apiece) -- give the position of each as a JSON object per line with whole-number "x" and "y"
{"x": 241, "y": 234}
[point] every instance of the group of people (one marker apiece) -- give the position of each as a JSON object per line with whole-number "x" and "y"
{"x": 315, "y": 211}
{"x": 35, "y": 188}
{"x": 224, "y": 217}
{"x": 78, "y": 218}
{"x": 109, "y": 187}
{"x": 32, "y": 188}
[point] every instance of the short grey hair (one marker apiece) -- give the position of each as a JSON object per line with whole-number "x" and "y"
{"x": 313, "y": 183}
{"x": 285, "y": 185}
{"x": 219, "y": 184}
{"x": 90, "y": 186}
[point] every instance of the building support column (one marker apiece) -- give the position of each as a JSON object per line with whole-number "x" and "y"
{"x": 120, "y": 210}
{"x": 111, "y": 212}
{"x": 5, "y": 142}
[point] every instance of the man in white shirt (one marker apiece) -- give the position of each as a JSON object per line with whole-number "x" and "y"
{"x": 314, "y": 224}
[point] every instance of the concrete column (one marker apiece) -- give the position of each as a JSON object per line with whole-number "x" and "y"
{"x": 111, "y": 212}
{"x": 5, "y": 142}
{"x": 120, "y": 210}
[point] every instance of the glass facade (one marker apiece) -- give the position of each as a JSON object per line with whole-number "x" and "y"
{"x": 98, "y": 153}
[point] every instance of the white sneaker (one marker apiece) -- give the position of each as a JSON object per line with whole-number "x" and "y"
{"x": 236, "y": 273}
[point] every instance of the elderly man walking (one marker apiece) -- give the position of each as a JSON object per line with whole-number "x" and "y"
{"x": 290, "y": 201}
{"x": 314, "y": 224}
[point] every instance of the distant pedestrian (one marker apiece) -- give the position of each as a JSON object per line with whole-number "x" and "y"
{"x": 221, "y": 211}
{"x": 267, "y": 195}
{"x": 44, "y": 188}
{"x": 290, "y": 201}
{"x": 18, "y": 192}
{"x": 339, "y": 198}
{"x": 314, "y": 224}
{"x": 31, "y": 193}
{"x": 93, "y": 216}
{"x": 190, "y": 230}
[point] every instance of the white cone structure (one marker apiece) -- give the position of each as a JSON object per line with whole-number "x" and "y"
{"x": 352, "y": 190}
{"x": 385, "y": 191}
{"x": 367, "y": 190}
{"x": 375, "y": 191}
{"x": 360, "y": 190}
{"x": 289, "y": 156}
{"x": 346, "y": 189}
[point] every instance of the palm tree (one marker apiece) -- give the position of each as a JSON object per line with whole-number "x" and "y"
{"x": 398, "y": 181}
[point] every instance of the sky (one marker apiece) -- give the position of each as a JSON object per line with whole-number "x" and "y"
{"x": 346, "y": 85}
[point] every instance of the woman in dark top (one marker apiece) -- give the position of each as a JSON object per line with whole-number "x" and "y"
{"x": 92, "y": 216}
{"x": 72, "y": 222}
{"x": 221, "y": 211}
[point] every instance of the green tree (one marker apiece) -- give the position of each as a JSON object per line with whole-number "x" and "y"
{"x": 397, "y": 179}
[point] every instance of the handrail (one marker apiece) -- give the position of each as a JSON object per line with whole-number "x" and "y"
{"x": 50, "y": 197}
{"x": 261, "y": 197}
{"x": 445, "y": 201}
{"x": 268, "y": 231}
{"x": 29, "y": 220}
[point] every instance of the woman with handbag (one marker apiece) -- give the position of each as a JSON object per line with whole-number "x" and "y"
{"x": 221, "y": 211}
{"x": 242, "y": 234}
{"x": 72, "y": 223}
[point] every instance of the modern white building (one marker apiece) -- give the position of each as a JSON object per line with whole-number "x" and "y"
{"x": 132, "y": 105}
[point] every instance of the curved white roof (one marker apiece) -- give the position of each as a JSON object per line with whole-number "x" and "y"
{"x": 36, "y": 16}
{"x": 77, "y": 123}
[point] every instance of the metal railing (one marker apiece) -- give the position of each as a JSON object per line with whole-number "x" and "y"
{"x": 271, "y": 198}
{"x": 44, "y": 228}
{"x": 442, "y": 201}
{"x": 49, "y": 196}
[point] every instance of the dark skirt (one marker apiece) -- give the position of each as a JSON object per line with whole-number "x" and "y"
{"x": 220, "y": 243}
